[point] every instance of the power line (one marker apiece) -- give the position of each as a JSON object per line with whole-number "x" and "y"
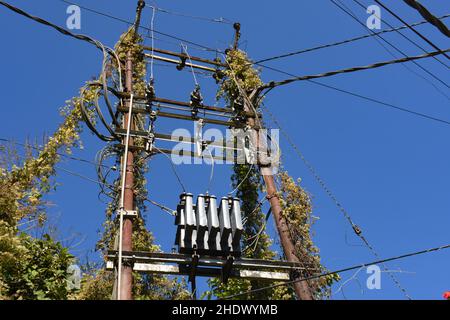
{"x": 142, "y": 27}
{"x": 76, "y": 174}
{"x": 57, "y": 28}
{"x": 357, "y": 95}
{"x": 274, "y": 84}
{"x": 408, "y": 255}
{"x": 348, "y": 11}
{"x": 400, "y": 33}
{"x": 428, "y": 16}
{"x": 341, "y": 42}
{"x": 184, "y": 15}
{"x": 58, "y": 153}
{"x": 357, "y": 230}
{"x": 390, "y": 105}
{"x": 412, "y": 29}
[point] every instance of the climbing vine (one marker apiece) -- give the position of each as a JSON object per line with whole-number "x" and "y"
{"x": 35, "y": 268}
{"x": 297, "y": 210}
{"x": 240, "y": 75}
{"x": 296, "y": 204}
{"x": 98, "y": 284}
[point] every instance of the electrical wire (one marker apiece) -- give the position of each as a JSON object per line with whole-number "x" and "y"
{"x": 357, "y": 230}
{"x": 435, "y": 21}
{"x": 219, "y": 51}
{"x": 413, "y": 29}
{"x": 105, "y": 50}
{"x": 162, "y": 207}
{"x": 357, "y": 95}
{"x": 184, "y": 47}
{"x": 173, "y": 168}
{"x": 215, "y": 20}
{"x": 256, "y": 237}
{"x": 152, "y": 22}
{"x": 243, "y": 180}
{"x": 57, "y": 28}
{"x": 379, "y": 261}
{"x": 338, "y": 43}
{"x": 348, "y": 11}
{"x": 211, "y": 176}
{"x": 400, "y": 33}
{"x": 203, "y": 47}
{"x": 42, "y": 149}
{"x": 273, "y": 84}
{"x": 78, "y": 175}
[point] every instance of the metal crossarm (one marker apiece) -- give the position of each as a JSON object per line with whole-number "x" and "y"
{"x": 206, "y": 266}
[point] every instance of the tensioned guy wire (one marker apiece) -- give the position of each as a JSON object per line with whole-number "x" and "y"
{"x": 357, "y": 230}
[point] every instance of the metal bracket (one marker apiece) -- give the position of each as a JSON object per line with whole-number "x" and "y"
{"x": 128, "y": 213}
{"x": 226, "y": 270}
{"x": 193, "y": 266}
{"x": 182, "y": 63}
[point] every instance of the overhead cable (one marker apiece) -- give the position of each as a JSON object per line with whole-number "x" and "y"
{"x": 354, "y": 69}
{"x": 356, "y": 229}
{"x": 444, "y": 52}
{"x": 314, "y": 277}
{"x": 348, "y": 11}
{"x": 206, "y": 48}
{"x": 215, "y": 20}
{"x": 364, "y": 7}
{"x": 435, "y": 21}
{"x": 341, "y": 42}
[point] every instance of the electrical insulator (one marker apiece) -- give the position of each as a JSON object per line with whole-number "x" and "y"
{"x": 225, "y": 224}
{"x": 202, "y": 223}
{"x": 213, "y": 224}
{"x": 206, "y": 228}
{"x": 181, "y": 224}
{"x": 189, "y": 216}
{"x": 236, "y": 223}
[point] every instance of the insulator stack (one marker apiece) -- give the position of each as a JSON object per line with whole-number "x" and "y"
{"x": 207, "y": 228}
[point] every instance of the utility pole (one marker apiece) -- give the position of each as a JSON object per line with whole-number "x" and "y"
{"x": 127, "y": 211}
{"x": 125, "y": 269}
{"x": 302, "y": 289}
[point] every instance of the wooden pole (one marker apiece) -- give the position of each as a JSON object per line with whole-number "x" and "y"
{"x": 302, "y": 289}
{"x": 127, "y": 245}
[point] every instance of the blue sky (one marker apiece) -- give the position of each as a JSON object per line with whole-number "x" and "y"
{"x": 389, "y": 169}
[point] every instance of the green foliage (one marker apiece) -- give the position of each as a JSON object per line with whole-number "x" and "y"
{"x": 32, "y": 268}
{"x": 296, "y": 204}
{"x": 240, "y": 71}
{"x": 247, "y": 179}
{"x": 297, "y": 210}
{"x": 99, "y": 284}
{"x": 23, "y": 187}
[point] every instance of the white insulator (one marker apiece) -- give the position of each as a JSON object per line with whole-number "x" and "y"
{"x": 225, "y": 223}
{"x": 236, "y": 222}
